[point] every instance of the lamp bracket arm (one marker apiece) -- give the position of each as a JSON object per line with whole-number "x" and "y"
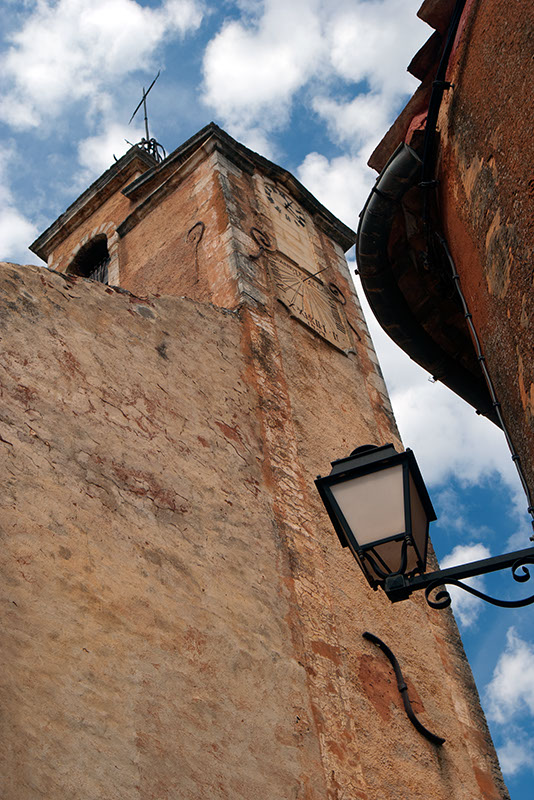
{"x": 399, "y": 587}
{"x": 482, "y": 567}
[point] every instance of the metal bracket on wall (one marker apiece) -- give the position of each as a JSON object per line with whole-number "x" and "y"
{"x": 194, "y": 235}
{"x": 403, "y": 689}
{"x": 262, "y": 240}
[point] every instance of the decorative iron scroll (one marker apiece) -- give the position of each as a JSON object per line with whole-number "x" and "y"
{"x": 194, "y": 236}
{"x": 403, "y": 689}
{"x": 442, "y": 599}
{"x": 262, "y": 240}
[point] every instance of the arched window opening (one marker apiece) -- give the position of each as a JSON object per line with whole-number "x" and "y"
{"x": 92, "y": 260}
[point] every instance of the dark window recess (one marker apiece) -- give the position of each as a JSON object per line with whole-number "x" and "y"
{"x": 92, "y": 261}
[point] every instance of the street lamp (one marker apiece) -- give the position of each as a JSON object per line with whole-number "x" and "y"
{"x": 380, "y": 509}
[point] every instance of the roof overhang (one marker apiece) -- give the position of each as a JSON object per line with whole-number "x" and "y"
{"x": 410, "y": 289}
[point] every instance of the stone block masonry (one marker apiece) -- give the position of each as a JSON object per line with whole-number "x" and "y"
{"x": 179, "y": 620}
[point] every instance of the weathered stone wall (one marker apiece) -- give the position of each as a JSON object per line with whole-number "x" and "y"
{"x": 179, "y": 618}
{"x": 487, "y": 193}
{"x": 177, "y": 247}
{"x": 104, "y": 219}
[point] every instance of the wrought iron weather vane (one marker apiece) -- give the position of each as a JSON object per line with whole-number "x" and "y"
{"x": 149, "y": 144}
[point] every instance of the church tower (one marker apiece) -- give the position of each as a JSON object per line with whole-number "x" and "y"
{"x": 180, "y": 619}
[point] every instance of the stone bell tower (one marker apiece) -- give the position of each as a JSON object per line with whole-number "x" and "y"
{"x": 214, "y": 222}
{"x": 180, "y": 619}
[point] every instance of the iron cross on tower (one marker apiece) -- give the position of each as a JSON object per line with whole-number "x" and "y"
{"x": 150, "y": 145}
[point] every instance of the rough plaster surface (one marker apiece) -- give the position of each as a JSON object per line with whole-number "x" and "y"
{"x": 485, "y": 203}
{"x": 179, "y": 620}
{"x": 487, "y": 199}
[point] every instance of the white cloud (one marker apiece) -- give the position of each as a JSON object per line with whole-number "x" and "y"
{"x": 254, "y": 67}
{"x": 356, "y": 122}
{"x": 516, "y": 754}
{"x": 73, "y": 50}
{"x": 511, "y": 690}
{"x": 450, "y": 439}
{"x": 370, "y": 40}
{"x": 341, "y": 184}
{"x": 510, "y": 701}
{"x": 16, "y": 231}
{"x": 95, "y": 153}
{"x": 466, "y": 606}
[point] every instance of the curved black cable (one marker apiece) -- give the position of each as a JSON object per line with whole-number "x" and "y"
{"x": 403, "y": 689}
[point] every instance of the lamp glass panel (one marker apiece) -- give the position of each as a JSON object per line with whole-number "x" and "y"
{"x": 419, "y": 520}
{"x": 390, "y": 554}
{"x": 373, "y": 504}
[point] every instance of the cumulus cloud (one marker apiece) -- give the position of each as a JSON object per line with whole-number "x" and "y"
{"x": 460, "y": 444}
{"x": 16, "y": 231}
{"x": 355, "y": 122}
{"x": 369, "y": 40}
{"x": 466, "y": 607}
{"x": 341, "y": 183}
{"x": 254, "y": 67}
{"x": 516, "y": 754}
{"x": 511, "y": 689}
{"x": 369, "y": 44}
{"x": 510, "y": 700}
{"x": 96, "y": 153}
{"x": 73, "y": 50}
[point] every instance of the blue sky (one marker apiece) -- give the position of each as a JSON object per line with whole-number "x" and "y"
{"x": 313, "y": 85}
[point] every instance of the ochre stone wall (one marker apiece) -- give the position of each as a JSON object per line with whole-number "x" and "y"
{"x": 103, "y": 220}
{"x": 178, "y": 246}
{"x": 179, "y": 619}
{"x": 487, "y": 197}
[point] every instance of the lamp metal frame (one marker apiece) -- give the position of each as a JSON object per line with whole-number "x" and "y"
{"x": 355, "y": 466}
{"x": 399, "y": 584}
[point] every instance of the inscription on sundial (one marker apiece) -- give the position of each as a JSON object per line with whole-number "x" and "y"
{"x": 312, "y": 302}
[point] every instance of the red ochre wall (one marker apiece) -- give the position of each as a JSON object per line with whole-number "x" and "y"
{"x": 487, "y": 197}
{"x": 179, "y": 619}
